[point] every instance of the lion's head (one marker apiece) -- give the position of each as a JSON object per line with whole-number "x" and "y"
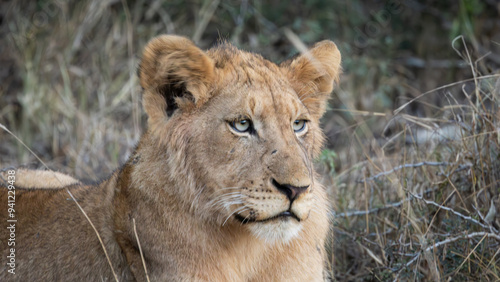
{"x": 238, "y": 133}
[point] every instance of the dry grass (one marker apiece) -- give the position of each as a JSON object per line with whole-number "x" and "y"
{"x": 423, "y": 203}
{"x": 415, "y": 188}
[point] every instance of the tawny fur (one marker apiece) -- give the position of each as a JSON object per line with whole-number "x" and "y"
{"x": 191, "y": 176}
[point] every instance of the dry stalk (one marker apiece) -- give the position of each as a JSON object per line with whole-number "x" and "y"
{"x": 140, "y": 250}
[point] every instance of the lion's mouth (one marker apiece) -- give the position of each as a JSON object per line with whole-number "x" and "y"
{"x": 282, "y": 216}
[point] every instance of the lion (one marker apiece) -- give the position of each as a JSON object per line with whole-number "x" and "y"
{"x": 220, "y": 187}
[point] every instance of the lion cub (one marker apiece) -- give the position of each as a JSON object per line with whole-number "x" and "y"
{"x": 221, "y": 185}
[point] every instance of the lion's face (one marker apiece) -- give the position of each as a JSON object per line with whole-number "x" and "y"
{"x": 258, "y": 139}
{"x": 249, "y": 128}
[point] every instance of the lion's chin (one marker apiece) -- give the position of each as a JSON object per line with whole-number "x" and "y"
{"x": 274, "y": 231}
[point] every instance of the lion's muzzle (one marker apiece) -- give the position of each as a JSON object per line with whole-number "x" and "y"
{"x": 291, "y": 192}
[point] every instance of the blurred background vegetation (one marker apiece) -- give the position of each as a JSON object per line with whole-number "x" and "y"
{"x": 412, "y": 131}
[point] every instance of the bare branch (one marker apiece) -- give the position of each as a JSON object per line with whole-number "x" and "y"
{"x": 450, "y": 240}
{"x": 492, "y": 229}
{"x": 374, "y": 210}
{"x": 450, "y": 210}
{"x": 464, "y": 236}
{"x": 383, "y": 173}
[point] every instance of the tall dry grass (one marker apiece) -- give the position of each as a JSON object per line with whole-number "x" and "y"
{"x": 423, "y": 203}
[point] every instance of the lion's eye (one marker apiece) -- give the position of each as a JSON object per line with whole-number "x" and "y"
{"x": 299, "y": 125}
{"x": 243, "y": 125}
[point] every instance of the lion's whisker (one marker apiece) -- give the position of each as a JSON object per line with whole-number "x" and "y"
{"x": 226, "y": 202}
{"x": 226, "y": 197}
{"x": 235, "y": 211}
{"x": 245, "y": 218}
{"x": 227, "y": 188}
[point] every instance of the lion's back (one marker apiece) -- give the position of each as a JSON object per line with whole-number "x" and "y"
{"x": 44, "y": 230}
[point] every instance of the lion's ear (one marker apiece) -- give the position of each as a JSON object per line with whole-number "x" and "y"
{"x": 313, "y": 74}
{"x": 175, "y": 74}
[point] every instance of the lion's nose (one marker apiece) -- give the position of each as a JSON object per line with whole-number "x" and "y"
{"x": 292, "y": 192}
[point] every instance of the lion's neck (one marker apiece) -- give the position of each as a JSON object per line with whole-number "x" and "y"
{"x": 165, "y": 218}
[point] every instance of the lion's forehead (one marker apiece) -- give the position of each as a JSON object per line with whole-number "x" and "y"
{"x": 265, "y": 103}
{"x": 278, "y": 104}
{"x": 257, "y": 83}
{"x": 246, "y": 68}
{"x": 256, "y": 73}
